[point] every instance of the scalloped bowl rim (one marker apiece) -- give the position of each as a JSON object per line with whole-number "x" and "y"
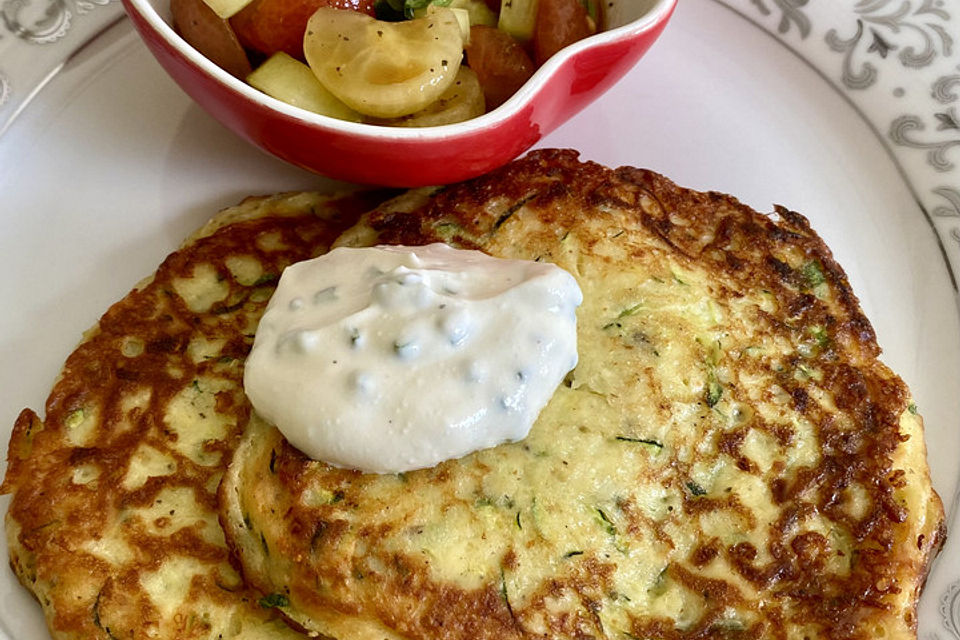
{"x": 657, "y": 12}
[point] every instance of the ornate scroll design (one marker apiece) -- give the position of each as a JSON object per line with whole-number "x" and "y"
{"x": 944, "y": 88}
{"x": 791, "y": 13}
{"x": 914, "y": 32}
{"x": 902, "y": 133}
{"x": 867, "y": 73}
{"x": 950, "y": 600}
{"x": 952, "y": 208}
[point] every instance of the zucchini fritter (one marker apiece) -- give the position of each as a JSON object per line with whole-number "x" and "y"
{"x": 113, "y": 520}
{"x": 729, "y": 458}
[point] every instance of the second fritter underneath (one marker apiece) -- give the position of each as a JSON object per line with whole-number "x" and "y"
{"x": 728, "y": 459}
{"x": 112, "y": 524}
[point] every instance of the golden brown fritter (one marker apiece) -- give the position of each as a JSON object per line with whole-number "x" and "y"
{"x": 729, "y": 459}
{"x": 113, "y": 520}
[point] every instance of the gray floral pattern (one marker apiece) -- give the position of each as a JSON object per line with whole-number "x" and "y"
{"x": 791, "y": 15}
{"x": 950, "y": 609}
{"x": 908, "y": 131}
{"x": 913, "y": 32}
{"x": 952, "y": 208}
{"x": 947, "y": 121}
{"x": 945, "y": 89}
{"x": 873, "y": 49}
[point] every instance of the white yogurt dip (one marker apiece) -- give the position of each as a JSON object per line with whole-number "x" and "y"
{"x": 389, "y": 359}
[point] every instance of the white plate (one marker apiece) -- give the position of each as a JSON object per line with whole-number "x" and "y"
{"x": 845, "y": 111}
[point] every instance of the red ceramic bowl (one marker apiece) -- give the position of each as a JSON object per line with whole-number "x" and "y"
{"x": 406, "y": 157}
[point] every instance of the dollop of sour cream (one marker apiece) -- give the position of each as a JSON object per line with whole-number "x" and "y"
{"x": 391, "y": 358}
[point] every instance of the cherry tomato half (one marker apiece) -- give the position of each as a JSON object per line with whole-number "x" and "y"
{"x": 559, "y": 23}
{"x": 500, "y": 63}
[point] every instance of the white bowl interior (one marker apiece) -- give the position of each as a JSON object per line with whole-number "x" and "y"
{"x": 623, "y": 12}
{"x": 624, "y": 19}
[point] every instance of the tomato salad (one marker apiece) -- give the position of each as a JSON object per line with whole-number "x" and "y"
{"x": 390, "y": 62}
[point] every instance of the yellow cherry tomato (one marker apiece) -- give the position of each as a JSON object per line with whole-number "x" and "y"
{"x": 384, "y": 69}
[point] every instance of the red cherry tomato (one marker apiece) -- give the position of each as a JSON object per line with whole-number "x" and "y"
{"x": 559, "y": 23}
{"x": 269, "y": 26}
{"x": 501, "y": 64}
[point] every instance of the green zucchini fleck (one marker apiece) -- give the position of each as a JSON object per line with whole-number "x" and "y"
{"x": 646, "y": 441}
{"x": 659, "y": 585}
{"x": 812, "y": 274}
{"x": 820, "y": 335}
{"x": 727, "y": 626}
{"x": 272, "y": 600}
{"x": 503, "y": 593}
{"x": 629, "y": 311}
{"x": 606, "y": 523}
{"x": 267, "y": 278}
{"x": 447, "y": 229}
{"x": 512, "y": 209}
{"x": 263, "y": 543}
{"x": 696, "y": 489}
{"x": 714, "y": 390}
{"x": 806, "y": 373}
{"x": 74, "y": 419}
